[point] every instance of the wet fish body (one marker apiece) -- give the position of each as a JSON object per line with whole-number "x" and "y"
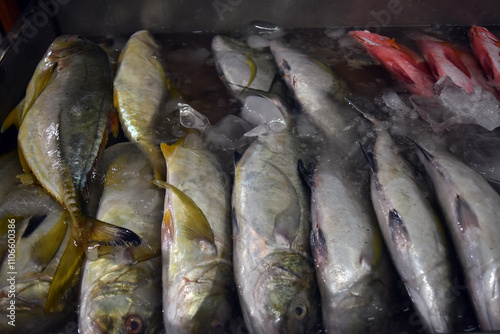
{"x": 120, "y": 293}
{"x": 470, "y": 206}
{"x": 64, "y": 126}
{"x": 196, "y": 240}
{"x": 411, "y": 231}
{"x": 140, "y": 91}
{"x": 272, "y": 262}
{"x": 404, "y": 64}
{"x": 340, "y": 209}
{"x": 485, "y": 46}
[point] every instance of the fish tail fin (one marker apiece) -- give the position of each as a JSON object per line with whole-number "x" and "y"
{"x": 14, "y": 117}
{"x": 107, "y": 234}
{"x": 71, "y": 260}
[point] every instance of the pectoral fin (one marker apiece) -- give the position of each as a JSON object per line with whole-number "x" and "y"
{"x": 39, "y": 81}
{"x": 14, "y": 117}
{"x": 65, "y": 273}
{"x": 43, "y": 250}
{"x": 466, "y": 218}
{"x": 192, "y": 220}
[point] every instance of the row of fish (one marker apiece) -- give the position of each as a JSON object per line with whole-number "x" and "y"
{"x": 292, "y": 230}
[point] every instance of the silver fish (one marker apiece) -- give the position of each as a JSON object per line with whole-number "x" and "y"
{"x": 413, "y": 234}
{"x": 272, "y": 260}
{"x": 121, "y": 291}
{"x": 354, "y": 278}
{"x": 470, "y": 206}
{"x": 197, "y": 275}
{"x": 245, "y": 71}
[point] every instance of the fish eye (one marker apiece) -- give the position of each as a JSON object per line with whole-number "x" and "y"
{"x": 299, "y": 311}
{"x": 217, "y": 327}
{"x": 133, "y": 324}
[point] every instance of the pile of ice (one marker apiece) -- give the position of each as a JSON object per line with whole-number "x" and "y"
{"x": 452, "y": 106}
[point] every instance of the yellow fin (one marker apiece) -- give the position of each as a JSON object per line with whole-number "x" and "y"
{"x": 47, "y": 246}
{"x": 14, "y": 117}
{"x": 253, "y": 70}
{"x": 169, "y": 150}
{"x": 65, "y": 274}
{"x": 38, "y": 82}
{"x": 195, "y": 225}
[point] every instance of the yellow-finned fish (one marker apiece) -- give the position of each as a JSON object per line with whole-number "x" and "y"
{"x": 63, "y": 128}
{"x": 140, "y": 92}
{"x": 196, "y": 240}
{"x": 120, "y": 291}
{"x": 39, "y": 229}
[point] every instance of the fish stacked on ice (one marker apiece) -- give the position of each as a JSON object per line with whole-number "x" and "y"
{"x": 293, "y": 259}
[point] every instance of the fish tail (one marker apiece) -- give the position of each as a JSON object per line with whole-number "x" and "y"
{"x": 71, "y": 260}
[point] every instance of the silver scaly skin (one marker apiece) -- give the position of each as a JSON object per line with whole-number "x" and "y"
{"x": 121, "y": 289}
{"x": 272, "y": 261}
{"x": 198, "y": 282}
{"x": 353, "y": 269}
{"x": 413, "y": 234}
{"x": 271, "y": 228}
{"x": 470, "y": 206}
{"x": 140, "y": 91}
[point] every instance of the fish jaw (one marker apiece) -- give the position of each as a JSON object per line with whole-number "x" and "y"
{"x": 486, "y": 48}
{"x": 203, "y": 295}
{"x": 401, "y": 62}
{"x": 126, "y": 297}
{"x": 279, "y": 297}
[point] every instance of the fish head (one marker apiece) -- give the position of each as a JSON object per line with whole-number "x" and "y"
{"x": 66, "y": 45}
{"x": 403, "y": 63}
{"x": 242, "y": 68}
{"x": 127, "y": 305}
{"x": 301, "y": 71}
{"x": 204, "y": 296}
{"x": 284, "y": 298}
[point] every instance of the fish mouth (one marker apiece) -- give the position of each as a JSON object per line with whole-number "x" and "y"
{"x": 284, "y": 289}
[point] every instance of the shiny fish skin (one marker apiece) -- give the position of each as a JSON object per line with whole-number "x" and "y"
{"x": 354, "y": 274}
{"x": 117, "y": 294}
{"x": 42, "y": 232}
{"x": 339, "y": 202}
{"x": 64, "y": 126}
{"x": 470, "y": 206}
{"x": 196, "y": 240}
{"x": 242, "y": 69}
{"x": 272, "y": 261}
{"x": 140, "y": 90}
{"x": 412, "y": 234}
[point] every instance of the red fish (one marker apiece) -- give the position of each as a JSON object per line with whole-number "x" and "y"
{"x": 486, "y": 49}
{"x": 406, "y": 65}
{"x": 445, "y": 59}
